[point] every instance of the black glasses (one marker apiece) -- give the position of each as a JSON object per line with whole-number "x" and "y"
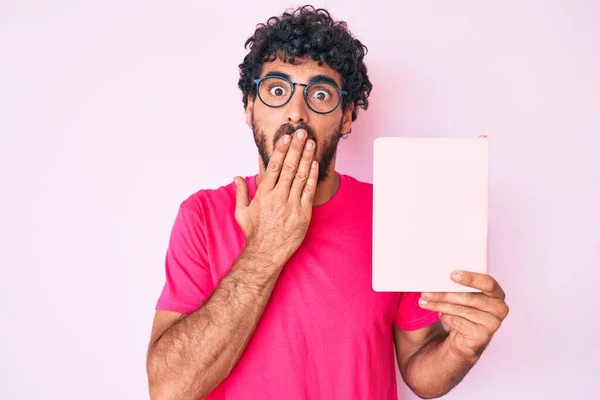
{"x": 321, "y": 97}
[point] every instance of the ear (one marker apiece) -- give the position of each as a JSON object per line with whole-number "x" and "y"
{"x": 249, "y": 110}
{"x": 347, "y": 119}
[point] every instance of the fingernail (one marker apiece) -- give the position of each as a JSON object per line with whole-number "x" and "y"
{"x": 457, "y": 276}
{"x": 422, "y": 301}
{"x": 427, "y": 295}
{"x": 309, "y": 145}
{"x": 314, "y": 164}
{"x": 286, "y": 139}
{"x": 235, "y": 181}
{"x": 300, "y": 134}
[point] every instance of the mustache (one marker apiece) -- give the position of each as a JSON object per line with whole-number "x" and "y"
{"x": 288, "y": 129}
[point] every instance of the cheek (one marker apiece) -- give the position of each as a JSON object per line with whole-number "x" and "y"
{"x": 261, "y": 124}
{"x": 327, "y": 128}
{"x": 267, "y": 120}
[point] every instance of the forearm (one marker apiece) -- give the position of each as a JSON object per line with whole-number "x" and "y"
{"x": 193, "y": 356}
{"x": 435, "y": 369}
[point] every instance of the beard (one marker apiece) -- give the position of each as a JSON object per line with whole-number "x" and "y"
{"x": 324, "y": 153}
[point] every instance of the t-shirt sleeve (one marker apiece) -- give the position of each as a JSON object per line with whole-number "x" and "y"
{"x": 410, "y": 315}
{"x": 188, "y": 276}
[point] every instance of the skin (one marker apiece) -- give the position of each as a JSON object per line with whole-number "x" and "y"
{"x": 324, "y": 128}
{"x": 433, "y": 360}
{"x": 189, "y": 355}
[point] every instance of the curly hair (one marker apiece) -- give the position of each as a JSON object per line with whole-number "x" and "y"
{"x": 308, "y": 32}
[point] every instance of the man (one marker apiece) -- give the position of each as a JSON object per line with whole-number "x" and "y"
{"x": 268, "y": 287}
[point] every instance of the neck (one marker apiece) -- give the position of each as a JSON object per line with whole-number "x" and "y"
{"x": 325, "y": 189}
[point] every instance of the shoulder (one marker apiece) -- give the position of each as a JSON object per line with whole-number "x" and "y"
{"x": 357, "y": 187}
{"x": 215, "y": 196}
{"x": 214, "y": 201}
{"x": 363, "y": 185}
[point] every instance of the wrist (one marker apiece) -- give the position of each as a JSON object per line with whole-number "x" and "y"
{"x": 268, "y": 257}
{"x": 460, "y": 356}
{"x": 276, "y": 255}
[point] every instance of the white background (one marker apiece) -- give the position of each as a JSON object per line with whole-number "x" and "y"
{"x": 111, "y": 115}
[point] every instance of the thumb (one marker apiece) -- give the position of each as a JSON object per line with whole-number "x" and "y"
{"x": 241, "y": 195}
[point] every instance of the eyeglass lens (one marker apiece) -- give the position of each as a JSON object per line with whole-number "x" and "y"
{"x": 321, "y": 97}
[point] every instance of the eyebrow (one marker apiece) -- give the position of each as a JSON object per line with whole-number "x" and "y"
{"x": 313, "y": 79}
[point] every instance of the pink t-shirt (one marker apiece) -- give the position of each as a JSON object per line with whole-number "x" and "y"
{"x": 325, "y": 334}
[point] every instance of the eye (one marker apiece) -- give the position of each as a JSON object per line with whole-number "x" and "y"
{"x": 321, "y": 94}
{"x": 277, "y": 90}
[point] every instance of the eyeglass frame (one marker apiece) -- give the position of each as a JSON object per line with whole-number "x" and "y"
{"x": 305, "y": 92}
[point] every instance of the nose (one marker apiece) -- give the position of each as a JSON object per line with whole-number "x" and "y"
{"x": 297, "y": 110}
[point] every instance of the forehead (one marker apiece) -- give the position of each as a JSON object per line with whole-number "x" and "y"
{"x": 303, "y": 71}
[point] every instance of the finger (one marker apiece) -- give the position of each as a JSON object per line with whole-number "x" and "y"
{"x": 241, "y": 194}
{"x": 310, "y": 188}
{"x": 290, "y": 164}
{"x": 275, "y": 163}
{"x": 459, "y": 324}
{"x": 483, "y": 282}
{"x": 303, "y": 170}
{"x": 469, "y": 313}
{"x": 480, "y": 301}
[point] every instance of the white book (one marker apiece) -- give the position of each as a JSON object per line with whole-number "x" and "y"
{"x": 430, "y": 212}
